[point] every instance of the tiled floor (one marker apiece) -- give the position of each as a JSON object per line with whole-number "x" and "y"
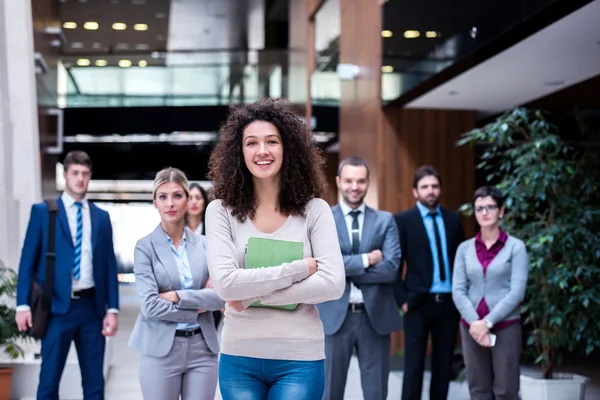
{"x": 123, "y": 384}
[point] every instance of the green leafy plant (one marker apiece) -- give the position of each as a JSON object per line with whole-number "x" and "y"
{"x": 553, "y": 204}
{"x": 8, "y": 328}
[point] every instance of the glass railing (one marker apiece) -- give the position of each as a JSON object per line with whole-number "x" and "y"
{"x": 174, "y": 79}
{"x": 423, "y": 38}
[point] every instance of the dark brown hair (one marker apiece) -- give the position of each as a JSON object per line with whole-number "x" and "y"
{"x": 355, "y": 162}
{"x": 423, "y": 171}
{"x": 491, "y": 191}
{"x": 77, "y": 157}
{"x": 302, "y": 176}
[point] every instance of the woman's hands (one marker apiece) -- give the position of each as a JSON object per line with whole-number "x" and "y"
{"x": 480, "y": 333}
{"x": 312, "y": 265}
{"x": 170, "y": 296}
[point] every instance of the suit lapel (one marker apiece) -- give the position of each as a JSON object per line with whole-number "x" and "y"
{"x": 197, "y": 261}
{"x": 165, "y": 256}
{"x": 342, "y": 229}
{"x": 367, "y": 230}
{"x": 63, "y": 221}
{"x": 420, "y": 228}
{"x": 95, "y": 221}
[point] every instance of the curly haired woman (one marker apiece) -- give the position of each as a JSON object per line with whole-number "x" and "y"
{"x": 267, "y": 175}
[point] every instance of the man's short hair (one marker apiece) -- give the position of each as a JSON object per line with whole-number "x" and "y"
{"x": 423, "y": 171}
{"x": 77, "y": 157}
{"x": 355, "y": 162}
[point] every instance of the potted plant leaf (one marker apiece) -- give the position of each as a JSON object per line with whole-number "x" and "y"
{"x": 553, "y": 203}
{"x": 8, "y": 329}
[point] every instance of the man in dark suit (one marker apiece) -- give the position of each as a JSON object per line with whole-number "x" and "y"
{"x": 85, "y": 295}
{"x": 429, "y": 237}
{"x": 363, "y": 318}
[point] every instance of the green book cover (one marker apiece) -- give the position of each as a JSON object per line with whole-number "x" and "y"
{"x": 261, "y": 253}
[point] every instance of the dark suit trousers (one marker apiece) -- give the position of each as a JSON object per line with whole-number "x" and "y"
{"x": 441, "y": 320}
{"x": 82, "y": 325}
{"x": 373, "y": 352}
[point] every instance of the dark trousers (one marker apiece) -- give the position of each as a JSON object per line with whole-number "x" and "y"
{"x": 373, "y": 351}
{"x": 82, "y": 325}
{"x": 493, "y": 373}
{"x": 440, "y": 319}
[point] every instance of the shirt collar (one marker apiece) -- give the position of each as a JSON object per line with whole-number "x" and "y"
{"x": 183, "y": 238}
{"x": 502, "y": 237}
{"x": 424, "y": 211}
{"x": 346, "y": 209}
{"x": 69, "y": 201}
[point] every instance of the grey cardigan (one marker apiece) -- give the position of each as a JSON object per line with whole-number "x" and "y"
{"x": 503, "y": 286}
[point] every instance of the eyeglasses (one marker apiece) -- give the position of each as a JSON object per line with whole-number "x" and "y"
{"x": 488, "y": 208}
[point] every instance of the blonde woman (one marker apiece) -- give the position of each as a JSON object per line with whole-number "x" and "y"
{"x": 174, "y": 332}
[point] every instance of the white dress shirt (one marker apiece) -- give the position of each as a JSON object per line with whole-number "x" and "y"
{"x": 355, "y": 293}
{"x": 86, "y": 279}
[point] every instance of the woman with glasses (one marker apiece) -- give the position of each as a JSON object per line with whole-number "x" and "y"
{"x": 489, "y": 281}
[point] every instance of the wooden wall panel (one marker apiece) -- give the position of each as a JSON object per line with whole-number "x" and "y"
{"x": 360, "y": 102}
{"x": 331, "y": 195}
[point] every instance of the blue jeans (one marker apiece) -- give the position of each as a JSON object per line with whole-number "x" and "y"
{"x": 246, "y": 378}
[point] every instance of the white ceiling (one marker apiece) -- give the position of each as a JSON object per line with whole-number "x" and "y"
{"x": 563, "y": 54}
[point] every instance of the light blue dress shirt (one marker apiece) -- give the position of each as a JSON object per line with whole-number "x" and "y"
{"x": 437, "y": 286}
{"x": 185, "y": 275}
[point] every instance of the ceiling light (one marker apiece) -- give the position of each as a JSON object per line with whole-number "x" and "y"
{"x": 386, "y": 69}
{"x": 143, "y": 63}
{"x": 96, "y": 45}
{"x": 91, "y": 25}
{"x": 124, "y": 63}
{"x": 160, "y": 15}
{"x": 119, "y": 26}
{"x": 69, "y": 25}
{"x": 386, "y": 33}
{"x": 432, "y": 34}
{"x": 160, "y": 37}
{"x": 140, "y": 27}
{"x": 76, "y": 45}
{"x": 101, "y": 63}
{"x": 122, "y": 46}
{"x": 83, "y": 62}
{"x": 411, "y": 34}
{"x": 141, "y": 46}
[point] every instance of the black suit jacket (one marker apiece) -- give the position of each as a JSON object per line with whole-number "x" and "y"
{"x": 414, "y": 245}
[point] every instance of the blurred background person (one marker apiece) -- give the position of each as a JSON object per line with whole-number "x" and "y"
{"x": 174, "y": 332}
{"x": 490, "y": 278}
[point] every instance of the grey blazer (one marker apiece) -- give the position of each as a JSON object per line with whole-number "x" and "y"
{"x": 156, "y": 271}
{"x": 379, "y": 232}
{"x": 503, "y": 286}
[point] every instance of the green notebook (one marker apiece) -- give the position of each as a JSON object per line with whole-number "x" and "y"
{"x": 261, "y": 253}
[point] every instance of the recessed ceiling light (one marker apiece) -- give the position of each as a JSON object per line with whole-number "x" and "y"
{"x": 124, "y": 63}
{"x": 101, "y": 63}
{"x": 432, "y": 34}
{"x": 142, "y": 63}
{"x": 160, "y": 15}
{"x": 96, "y": 45}
{"x": 119, "y": 26}
{"x": 83, "y": 62}
{"x": 141, "y": 46}
{"x": 140, "y": 27}
{"x": 91, "y": 25}
{"x": 387, "y": 69}
{"x": 122, "y": 46}
{"x": 76, "y": 45}
{"x": 70, "y": 25}
{"x": 412, "y": 34}
{"x": 160, "y": 38}
{"x": 386, "y": 33}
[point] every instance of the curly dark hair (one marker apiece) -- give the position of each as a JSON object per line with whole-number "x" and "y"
{"x": 302, "y": 176}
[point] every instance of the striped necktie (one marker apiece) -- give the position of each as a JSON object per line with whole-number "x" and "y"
{"x": 78, "y": 241}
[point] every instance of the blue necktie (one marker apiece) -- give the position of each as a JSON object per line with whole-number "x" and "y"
{"x": 78, "y": 241}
